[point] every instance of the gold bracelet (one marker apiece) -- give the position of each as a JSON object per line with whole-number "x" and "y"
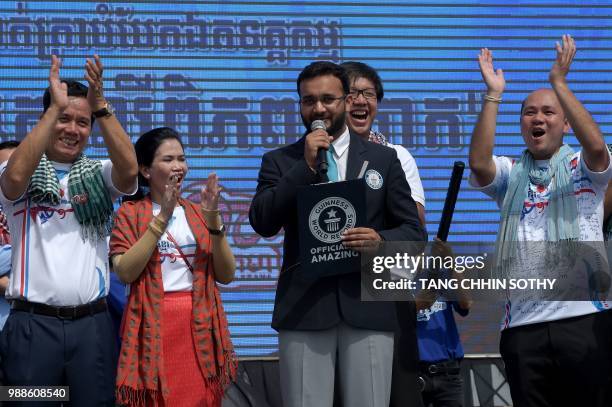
{"x": 490, "y": 98}
{"x": 160, "y": 223}
{"x": 158, "y": 233}
{"x": 210, "y": 211}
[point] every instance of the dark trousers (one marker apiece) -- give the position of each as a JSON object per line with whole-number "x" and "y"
{"x": 39, "y": 350}
{"x": 560, "y": 363}
{"x": 442, "y": 389}
{"x": 405, "y": 390}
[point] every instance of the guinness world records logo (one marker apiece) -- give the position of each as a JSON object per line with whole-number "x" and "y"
{"x": 330, "y": 217}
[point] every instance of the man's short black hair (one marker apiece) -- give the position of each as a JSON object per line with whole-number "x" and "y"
{"x": 5, "y": 145}
{"x": 356, "y": 70}
{"x": 75, "y": 89}
{"x": 322, "y": 68}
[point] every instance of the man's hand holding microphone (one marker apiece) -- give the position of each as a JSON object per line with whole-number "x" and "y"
{"x": 317, "y": 144}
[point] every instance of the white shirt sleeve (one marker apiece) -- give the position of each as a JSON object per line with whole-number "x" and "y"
{"x": 412, "y": 173}
{"x": 3, "y": 199}
{"x": 598, "y": 178}
{"x": 107, "y": 171}
{"x": 498, "y": 187}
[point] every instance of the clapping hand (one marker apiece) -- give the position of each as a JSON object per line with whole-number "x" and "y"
{"x": 169, "y": 198}
{"x": 57, "y": 89}
{"x": 93, "y": 74}
{"x": 210, "y": 193}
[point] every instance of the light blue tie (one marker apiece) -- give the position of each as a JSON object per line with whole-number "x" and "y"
{"x": 332, "y": 167}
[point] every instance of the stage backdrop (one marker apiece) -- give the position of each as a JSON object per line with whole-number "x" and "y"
{"x": 223, "y": 74}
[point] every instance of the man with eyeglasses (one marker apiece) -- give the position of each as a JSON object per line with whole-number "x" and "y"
{"x": 322, "y": 320}
{"x": 365, "y": 93}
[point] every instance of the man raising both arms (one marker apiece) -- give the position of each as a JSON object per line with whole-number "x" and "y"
{"x": 59, "y": 205}
{"x": 556, "y": 353}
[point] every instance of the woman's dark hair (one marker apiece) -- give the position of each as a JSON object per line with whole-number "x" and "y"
{"x": 145, "y": 147}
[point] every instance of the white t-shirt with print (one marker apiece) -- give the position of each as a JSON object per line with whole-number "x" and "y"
{"x": 51, "y": 263}
{"x": 176, "y": 275}
{"x": 590, "y": 189}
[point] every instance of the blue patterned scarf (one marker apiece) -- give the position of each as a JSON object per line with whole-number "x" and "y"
{"x": 562, "y": 216}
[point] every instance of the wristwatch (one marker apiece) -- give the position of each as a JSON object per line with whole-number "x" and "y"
{"x": 106, "y": 111}
{"x": 217, "y": 232}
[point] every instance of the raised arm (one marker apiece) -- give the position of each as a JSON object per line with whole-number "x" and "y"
{"x": 26, "y": 157}
{"x": 483, "y": 136}
{"x": 223, "y": 258}
{"x": 120, "y": 148}
{"x": 129, "y": 265}
{"x": 594, "y": 150}
{"x": 608, "y": 198}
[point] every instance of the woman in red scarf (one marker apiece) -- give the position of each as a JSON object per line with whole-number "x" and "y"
{"x": 176, "y": 348}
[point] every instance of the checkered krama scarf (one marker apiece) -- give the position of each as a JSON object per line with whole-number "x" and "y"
{"x": 89, "y": 197}
{"x": 377, "y": 137}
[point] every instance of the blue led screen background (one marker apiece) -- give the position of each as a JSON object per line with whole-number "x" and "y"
{"x": 223, "y": 74}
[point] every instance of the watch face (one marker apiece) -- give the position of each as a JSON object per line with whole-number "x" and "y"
{"x": 217, "y": 232}
{"x": 106, "y": 111}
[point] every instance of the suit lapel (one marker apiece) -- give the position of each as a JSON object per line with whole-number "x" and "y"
{"x": 297, "y": 148}
{"x": 357, "y": 147}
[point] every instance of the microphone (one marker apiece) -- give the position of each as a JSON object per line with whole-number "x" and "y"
{"x": 451, "y": 199}
{"x": 321, "y": 153}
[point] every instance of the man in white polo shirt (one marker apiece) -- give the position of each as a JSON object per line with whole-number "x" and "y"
{"x": 59, "y": 206}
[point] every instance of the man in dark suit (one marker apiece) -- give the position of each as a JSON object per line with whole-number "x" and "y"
{"x": 321, "y": 319}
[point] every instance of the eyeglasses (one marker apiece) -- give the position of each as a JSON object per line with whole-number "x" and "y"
{"x": 368, "y": 93}
{"x": 326, "y": 100}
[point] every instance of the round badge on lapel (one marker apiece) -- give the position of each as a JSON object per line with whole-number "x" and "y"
{"x": 374, "y": 179}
